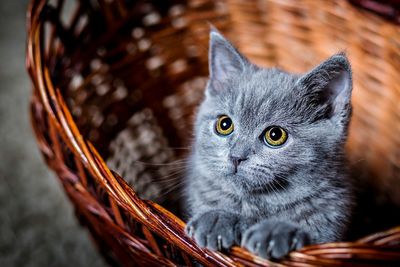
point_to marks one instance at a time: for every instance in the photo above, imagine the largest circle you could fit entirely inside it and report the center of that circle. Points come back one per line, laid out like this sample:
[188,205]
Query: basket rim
[148,213]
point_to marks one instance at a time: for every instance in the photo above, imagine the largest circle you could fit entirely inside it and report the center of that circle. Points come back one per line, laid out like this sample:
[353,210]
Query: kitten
[267,169]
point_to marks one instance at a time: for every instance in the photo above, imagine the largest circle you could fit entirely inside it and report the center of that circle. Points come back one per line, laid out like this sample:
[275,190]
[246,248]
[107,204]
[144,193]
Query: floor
[37,224]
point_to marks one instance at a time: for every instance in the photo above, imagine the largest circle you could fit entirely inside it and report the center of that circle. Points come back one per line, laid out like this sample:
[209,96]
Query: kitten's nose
[236,161]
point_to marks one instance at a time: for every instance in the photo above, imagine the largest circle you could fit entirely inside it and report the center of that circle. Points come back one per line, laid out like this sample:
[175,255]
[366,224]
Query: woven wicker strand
[97,66]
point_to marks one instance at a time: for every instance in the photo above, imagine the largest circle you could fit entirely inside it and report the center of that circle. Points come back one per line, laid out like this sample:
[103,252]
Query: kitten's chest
[209,194]
[254,207]
[251,209]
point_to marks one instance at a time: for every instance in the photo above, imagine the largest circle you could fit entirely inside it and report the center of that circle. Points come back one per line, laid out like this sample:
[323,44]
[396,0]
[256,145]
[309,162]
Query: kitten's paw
[274,239]
[215,230]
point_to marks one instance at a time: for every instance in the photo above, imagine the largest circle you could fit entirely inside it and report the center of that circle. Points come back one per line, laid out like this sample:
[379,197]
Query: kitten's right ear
[329,85]
[225,61]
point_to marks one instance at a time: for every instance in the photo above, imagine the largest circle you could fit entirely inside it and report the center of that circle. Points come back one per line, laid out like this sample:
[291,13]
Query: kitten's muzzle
[236,161]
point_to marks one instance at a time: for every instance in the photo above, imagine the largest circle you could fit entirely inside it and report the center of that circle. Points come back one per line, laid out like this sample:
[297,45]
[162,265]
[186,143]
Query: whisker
[180,148]
[183,161]
[170,189]
[169,175]
[277,175]
[168,180]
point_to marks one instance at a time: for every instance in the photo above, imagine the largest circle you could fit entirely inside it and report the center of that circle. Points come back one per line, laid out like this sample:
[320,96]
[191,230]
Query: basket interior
[144,64]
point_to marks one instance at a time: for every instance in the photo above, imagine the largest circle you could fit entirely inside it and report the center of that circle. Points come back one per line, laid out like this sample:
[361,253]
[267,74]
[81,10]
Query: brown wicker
[95,67]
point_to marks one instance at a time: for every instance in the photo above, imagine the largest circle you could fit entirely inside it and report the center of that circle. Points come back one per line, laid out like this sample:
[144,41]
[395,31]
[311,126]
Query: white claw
[270,246]
[257,250]
[219,242]
[191,231]
[294,242]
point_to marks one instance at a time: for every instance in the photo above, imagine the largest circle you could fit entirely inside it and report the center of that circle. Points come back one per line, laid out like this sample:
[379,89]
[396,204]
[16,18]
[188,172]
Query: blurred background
[37,223]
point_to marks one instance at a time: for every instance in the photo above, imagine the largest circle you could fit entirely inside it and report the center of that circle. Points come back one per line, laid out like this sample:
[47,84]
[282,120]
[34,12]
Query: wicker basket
[97,63]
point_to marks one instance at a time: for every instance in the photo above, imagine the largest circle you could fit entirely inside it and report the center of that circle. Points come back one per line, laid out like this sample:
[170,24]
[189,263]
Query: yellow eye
[275,136]
[224,125]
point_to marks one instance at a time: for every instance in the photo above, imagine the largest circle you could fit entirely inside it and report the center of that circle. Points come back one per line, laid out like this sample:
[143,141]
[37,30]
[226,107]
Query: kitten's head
[257,126]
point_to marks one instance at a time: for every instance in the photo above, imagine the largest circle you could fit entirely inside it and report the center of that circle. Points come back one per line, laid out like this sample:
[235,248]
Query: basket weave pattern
[95,68]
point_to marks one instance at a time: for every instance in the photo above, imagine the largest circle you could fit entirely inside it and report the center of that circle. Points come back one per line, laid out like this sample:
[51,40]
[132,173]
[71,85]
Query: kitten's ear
[330,85]
[225,61]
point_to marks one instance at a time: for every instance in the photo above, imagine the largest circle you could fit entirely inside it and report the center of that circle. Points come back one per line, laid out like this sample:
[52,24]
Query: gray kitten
[267,169]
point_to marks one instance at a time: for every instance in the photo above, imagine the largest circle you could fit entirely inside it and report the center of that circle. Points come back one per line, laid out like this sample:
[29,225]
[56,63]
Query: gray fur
[281,198]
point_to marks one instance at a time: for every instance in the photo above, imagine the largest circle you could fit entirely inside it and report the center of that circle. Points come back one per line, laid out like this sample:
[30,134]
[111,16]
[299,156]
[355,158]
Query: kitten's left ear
[225,61]
[330,84]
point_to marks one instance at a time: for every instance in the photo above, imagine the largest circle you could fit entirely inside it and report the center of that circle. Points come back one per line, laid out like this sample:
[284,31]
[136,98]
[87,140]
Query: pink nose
[236,161]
